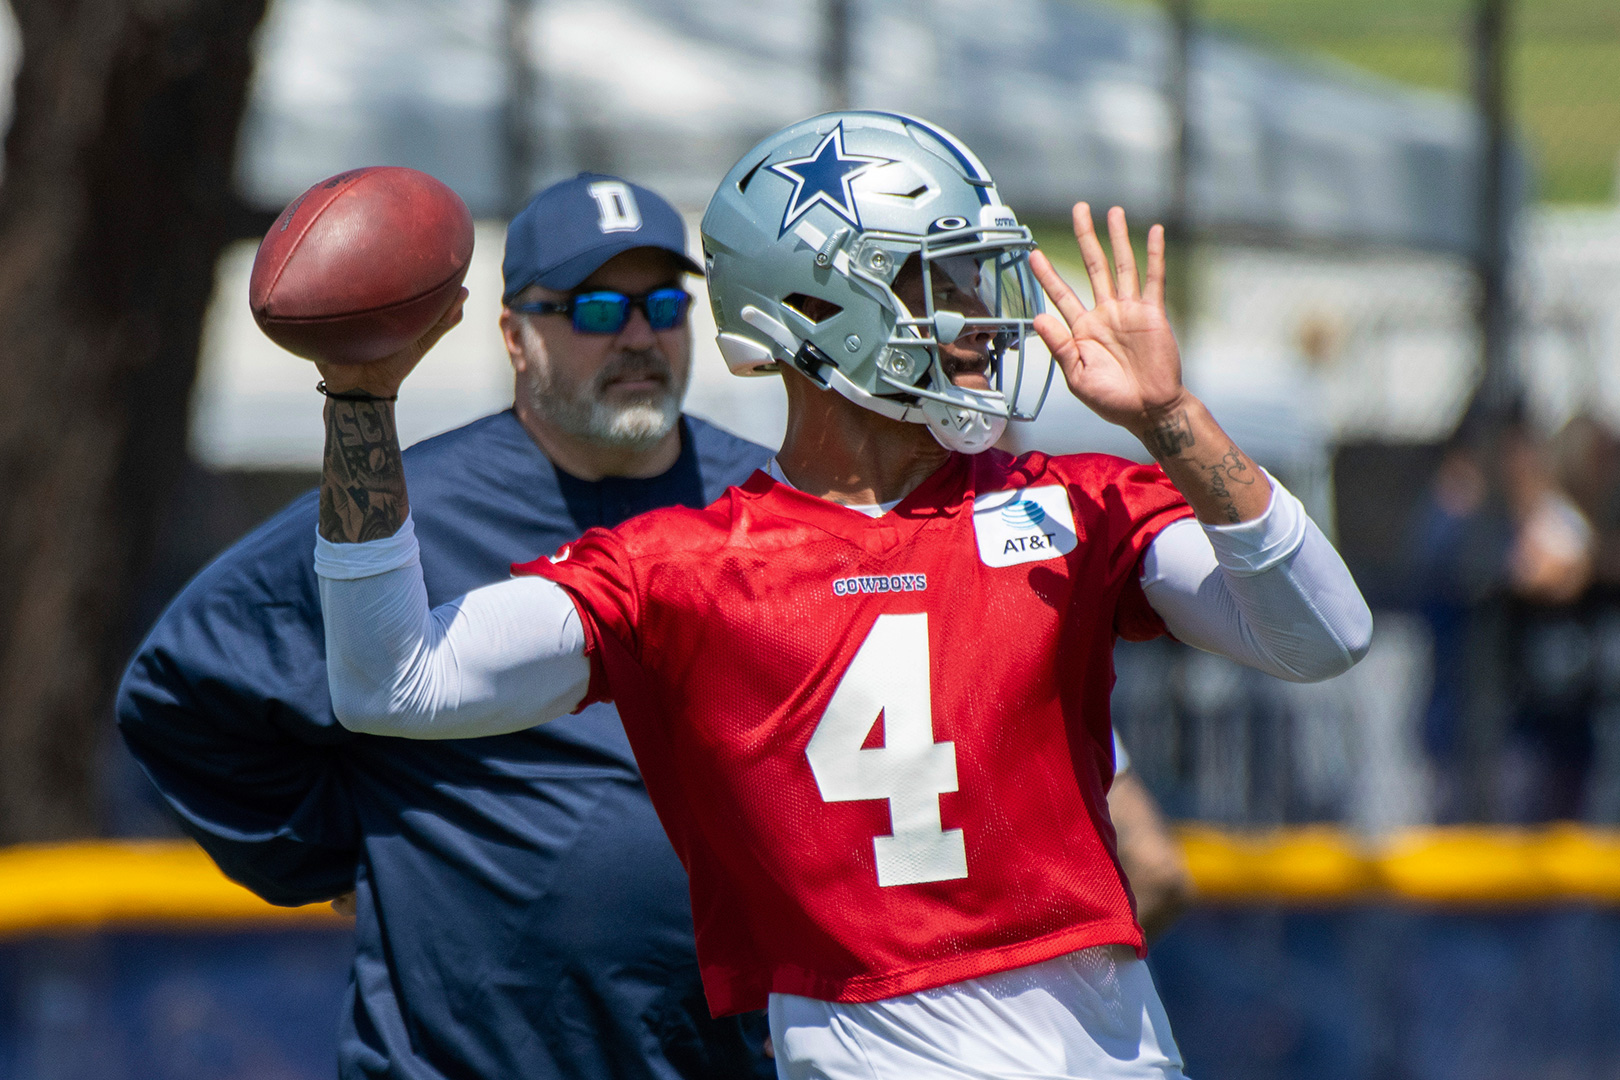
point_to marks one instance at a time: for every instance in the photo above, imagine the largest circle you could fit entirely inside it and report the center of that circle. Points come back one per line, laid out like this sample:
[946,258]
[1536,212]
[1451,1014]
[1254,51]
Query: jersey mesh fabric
[722,635]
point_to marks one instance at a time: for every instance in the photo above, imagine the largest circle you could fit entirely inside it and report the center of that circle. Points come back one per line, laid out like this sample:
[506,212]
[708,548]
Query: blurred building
[1063,100]
[1057,96]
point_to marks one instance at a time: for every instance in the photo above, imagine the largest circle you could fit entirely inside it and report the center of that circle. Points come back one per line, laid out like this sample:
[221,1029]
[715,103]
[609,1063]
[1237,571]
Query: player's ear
[512,337]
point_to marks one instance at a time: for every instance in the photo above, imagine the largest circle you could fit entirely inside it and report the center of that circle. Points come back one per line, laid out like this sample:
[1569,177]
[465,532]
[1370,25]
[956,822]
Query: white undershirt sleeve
[1270,593]
[502,658]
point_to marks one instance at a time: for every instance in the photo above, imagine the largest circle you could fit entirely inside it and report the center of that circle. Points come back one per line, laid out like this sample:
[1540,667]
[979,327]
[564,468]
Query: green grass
[1564,74]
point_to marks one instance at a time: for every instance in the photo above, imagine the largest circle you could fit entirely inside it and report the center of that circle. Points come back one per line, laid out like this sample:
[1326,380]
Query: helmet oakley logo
[824,177]
[948,224]
[616,209]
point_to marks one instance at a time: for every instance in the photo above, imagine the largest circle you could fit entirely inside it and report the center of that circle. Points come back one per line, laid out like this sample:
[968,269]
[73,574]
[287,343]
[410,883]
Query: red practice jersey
[881,746]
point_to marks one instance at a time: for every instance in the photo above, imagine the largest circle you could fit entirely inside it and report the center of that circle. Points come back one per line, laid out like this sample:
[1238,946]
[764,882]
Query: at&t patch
[1023,526]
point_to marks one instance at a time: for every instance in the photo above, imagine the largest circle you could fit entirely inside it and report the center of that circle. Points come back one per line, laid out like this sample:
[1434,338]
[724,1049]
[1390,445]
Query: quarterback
[868,688]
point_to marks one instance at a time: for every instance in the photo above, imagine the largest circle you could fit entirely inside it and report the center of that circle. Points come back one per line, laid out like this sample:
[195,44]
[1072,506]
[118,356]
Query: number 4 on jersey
[889,676]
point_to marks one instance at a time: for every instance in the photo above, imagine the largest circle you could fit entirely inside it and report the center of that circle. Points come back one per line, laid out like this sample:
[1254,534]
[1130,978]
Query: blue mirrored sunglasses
[604,311]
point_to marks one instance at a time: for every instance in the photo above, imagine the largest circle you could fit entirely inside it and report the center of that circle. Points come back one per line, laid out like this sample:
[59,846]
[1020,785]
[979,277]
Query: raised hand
[1119,357]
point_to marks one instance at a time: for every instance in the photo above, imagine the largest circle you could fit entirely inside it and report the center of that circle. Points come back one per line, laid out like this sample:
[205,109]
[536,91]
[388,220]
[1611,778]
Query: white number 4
[889,676]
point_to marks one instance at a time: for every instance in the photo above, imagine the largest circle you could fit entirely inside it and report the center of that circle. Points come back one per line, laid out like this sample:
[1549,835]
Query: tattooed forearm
[363,481]
[1169,436]
[1233,468]
[1222,484]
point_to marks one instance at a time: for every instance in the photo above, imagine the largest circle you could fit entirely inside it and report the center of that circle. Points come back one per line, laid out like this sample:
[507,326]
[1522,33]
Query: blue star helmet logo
[823,177]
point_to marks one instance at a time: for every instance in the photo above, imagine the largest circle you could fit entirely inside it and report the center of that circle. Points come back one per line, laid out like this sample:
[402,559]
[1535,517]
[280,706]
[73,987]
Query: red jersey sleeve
[597,572]
[1137,502]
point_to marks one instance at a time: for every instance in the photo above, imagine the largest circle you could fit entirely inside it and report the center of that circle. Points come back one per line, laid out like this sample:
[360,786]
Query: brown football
[361,265]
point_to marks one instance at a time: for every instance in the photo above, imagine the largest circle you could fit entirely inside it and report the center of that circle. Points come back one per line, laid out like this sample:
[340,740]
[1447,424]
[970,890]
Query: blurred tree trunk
[116,200]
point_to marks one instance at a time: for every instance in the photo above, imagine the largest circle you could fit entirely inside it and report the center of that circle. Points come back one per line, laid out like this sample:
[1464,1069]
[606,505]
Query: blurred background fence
[1396,254]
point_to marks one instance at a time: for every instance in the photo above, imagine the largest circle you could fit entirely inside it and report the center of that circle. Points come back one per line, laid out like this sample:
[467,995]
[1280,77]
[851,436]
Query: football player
[868,689]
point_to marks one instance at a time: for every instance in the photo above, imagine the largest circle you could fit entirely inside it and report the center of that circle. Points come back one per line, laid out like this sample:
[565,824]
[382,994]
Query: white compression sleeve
[502,658]
[1271,593]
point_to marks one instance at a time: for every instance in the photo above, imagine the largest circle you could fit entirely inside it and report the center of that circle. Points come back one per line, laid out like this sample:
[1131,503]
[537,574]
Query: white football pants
[1092,1014]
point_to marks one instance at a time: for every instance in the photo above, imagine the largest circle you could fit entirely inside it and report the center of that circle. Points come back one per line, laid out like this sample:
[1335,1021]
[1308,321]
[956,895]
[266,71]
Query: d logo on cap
[554,242]
[615,206]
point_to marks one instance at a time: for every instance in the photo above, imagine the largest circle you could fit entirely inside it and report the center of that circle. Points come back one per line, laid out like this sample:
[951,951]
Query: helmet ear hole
[813,309]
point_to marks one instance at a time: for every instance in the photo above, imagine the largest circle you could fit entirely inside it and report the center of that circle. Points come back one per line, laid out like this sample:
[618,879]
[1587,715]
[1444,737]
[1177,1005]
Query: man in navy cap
[599,390]
[518,911]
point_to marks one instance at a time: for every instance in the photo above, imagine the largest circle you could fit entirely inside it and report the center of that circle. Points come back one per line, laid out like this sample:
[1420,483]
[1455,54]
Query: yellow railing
[83,886]
[1461,865]
[49,887]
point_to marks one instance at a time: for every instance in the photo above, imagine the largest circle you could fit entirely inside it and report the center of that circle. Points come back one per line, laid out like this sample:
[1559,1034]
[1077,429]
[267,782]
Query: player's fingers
[1119,238]
[1057,290]
[447,322]
[1153,290]
[452,314]
[1091,252]
[1059,341]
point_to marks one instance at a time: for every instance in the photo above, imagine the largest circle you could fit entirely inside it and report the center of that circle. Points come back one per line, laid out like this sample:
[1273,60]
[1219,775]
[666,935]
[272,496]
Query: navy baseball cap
[571,228]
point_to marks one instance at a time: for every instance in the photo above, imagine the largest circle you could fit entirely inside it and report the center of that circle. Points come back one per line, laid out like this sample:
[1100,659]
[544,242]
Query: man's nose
[637,332]
[976,337]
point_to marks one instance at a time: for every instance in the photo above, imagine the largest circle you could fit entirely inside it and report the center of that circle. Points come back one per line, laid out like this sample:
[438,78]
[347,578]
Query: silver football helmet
[807,238]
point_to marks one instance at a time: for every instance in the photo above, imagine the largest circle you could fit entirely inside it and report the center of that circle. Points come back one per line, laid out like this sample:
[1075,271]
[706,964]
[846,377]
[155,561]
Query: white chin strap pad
[958,428]
[967,431]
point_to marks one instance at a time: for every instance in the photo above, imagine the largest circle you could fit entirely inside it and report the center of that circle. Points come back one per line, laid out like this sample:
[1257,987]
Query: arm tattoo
[1169,436]
[363,480]
[1232,468]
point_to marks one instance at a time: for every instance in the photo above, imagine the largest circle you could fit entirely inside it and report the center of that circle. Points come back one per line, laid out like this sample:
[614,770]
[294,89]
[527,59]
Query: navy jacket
[519,911]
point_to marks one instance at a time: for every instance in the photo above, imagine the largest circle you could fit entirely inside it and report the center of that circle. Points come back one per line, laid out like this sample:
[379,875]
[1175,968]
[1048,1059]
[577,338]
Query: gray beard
[582,412]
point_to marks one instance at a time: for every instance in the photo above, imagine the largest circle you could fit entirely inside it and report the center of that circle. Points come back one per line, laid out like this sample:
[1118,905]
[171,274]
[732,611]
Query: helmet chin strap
[955,427]
[966,431]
